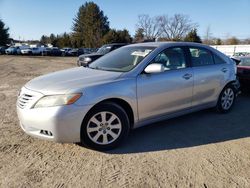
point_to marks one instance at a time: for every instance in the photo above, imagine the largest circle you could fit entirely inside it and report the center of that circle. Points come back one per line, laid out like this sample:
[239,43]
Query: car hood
[70,79]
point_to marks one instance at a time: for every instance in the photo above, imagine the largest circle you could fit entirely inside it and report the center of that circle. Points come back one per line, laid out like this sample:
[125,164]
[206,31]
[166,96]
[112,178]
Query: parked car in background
[76,51]
[90,50]
[65,51]
[55,51]
[37,50]
[130,87]
[19,48]
[84,60]
[12,50]
[243,71]
[2,50]
[26,51]
[240,54]
[45,51]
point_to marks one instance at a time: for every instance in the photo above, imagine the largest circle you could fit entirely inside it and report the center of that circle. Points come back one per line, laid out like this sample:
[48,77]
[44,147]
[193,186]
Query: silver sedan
[130,87]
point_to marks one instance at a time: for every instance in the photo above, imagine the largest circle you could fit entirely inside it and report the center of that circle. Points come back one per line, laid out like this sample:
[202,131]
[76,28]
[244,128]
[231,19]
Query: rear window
[201,57]
[218,60]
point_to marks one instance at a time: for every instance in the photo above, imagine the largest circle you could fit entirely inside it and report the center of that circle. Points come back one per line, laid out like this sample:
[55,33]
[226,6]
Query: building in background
[234,50]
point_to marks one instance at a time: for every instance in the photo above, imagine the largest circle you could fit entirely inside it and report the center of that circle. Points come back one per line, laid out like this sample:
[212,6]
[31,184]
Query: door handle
[224,70]
[187,76]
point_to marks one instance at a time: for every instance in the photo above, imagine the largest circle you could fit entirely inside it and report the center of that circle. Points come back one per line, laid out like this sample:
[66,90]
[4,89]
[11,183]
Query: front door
[168,91]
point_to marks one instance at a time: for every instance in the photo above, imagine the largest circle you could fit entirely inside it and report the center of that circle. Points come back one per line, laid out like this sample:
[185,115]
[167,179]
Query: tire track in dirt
[116,173]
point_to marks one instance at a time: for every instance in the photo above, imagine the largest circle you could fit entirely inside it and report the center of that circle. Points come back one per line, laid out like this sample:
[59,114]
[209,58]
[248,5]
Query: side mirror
[154,68]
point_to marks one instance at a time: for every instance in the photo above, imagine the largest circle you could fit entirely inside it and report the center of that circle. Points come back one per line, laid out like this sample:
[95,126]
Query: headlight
[81,58]
[87,59]
[57,100]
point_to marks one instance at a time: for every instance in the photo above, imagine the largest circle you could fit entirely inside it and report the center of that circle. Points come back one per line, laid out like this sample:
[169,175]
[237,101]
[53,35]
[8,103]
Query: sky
[30,19]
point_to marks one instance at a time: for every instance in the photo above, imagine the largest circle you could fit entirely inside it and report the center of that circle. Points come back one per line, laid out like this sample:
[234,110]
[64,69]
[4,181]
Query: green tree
[4,34]
[192,36]
[119,36]
[124,36]
[64,40]
[44,40]
[139,35]
[110,37]
[89,26]
[53,39]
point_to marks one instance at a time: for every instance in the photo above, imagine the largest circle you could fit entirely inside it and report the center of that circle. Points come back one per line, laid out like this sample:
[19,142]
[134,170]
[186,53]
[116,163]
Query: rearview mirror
[154,68]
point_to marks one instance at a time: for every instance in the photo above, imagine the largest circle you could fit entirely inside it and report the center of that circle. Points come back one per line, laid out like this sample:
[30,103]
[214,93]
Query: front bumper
[81,63]
[58,123]
[62,123]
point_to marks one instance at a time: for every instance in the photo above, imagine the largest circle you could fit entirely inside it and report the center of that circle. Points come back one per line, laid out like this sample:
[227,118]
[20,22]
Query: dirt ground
[203,149]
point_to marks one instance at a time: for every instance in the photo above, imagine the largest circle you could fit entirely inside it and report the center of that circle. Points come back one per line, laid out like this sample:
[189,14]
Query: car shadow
[200,128]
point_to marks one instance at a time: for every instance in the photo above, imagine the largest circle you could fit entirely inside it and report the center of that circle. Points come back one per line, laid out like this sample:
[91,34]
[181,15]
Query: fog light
[45,132]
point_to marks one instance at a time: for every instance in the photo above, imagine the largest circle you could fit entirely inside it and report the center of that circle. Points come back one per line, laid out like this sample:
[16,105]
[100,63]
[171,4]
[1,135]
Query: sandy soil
[203,149]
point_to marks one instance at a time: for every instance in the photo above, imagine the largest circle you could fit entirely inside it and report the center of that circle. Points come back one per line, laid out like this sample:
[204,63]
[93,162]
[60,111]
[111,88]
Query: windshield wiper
[97,68]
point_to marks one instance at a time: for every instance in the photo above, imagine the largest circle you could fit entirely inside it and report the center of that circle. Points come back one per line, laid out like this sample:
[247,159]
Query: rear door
[209,75]
[168,91]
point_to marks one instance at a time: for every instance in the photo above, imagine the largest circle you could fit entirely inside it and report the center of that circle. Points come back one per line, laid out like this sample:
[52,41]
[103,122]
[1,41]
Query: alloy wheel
[104,128]
[227,98]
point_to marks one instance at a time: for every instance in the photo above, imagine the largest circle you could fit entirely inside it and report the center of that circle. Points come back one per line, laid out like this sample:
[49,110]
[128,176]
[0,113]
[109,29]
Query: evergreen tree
[66,40]
[89,26]
[52,39]
[124,36]
[192,36]
[44,40]
[117,36]
[4,34]
[139,35]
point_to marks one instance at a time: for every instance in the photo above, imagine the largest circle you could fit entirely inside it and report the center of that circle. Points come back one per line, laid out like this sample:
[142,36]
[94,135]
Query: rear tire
[226,99]
[105,126]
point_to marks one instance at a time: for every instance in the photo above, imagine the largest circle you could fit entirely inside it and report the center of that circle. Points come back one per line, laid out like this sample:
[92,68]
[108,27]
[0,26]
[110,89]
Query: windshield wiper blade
[97,68]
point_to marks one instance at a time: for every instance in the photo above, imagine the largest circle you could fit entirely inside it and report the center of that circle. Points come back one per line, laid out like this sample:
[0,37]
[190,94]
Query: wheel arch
[231,82]
[122,103]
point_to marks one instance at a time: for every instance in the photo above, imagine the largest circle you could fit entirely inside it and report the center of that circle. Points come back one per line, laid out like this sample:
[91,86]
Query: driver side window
[171,58]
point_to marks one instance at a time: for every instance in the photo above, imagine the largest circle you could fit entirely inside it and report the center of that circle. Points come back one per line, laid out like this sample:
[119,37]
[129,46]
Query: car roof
[115,44]
[168,43]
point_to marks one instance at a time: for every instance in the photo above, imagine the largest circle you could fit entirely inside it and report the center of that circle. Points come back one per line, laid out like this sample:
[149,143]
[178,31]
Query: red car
[243,71]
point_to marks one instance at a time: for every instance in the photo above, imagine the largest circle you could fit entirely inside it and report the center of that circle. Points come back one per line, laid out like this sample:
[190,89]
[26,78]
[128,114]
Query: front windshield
[245,62]
[123,59]
[104,49]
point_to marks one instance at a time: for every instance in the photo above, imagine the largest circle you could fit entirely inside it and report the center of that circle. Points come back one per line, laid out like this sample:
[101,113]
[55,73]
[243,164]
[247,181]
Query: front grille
[27,98]
[24,100]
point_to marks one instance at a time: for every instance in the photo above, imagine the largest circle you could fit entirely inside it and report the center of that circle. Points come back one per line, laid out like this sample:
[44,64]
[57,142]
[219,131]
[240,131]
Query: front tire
[105,127]
[226,99]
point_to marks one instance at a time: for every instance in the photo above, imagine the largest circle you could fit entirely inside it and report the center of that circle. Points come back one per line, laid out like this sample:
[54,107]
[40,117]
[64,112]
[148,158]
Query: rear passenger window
[201,57]
[218,60]
[171,58]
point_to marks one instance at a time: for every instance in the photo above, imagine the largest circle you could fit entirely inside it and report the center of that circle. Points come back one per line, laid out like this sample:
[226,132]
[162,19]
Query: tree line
[90,29]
